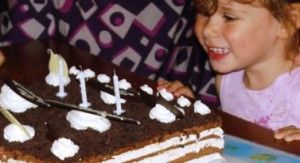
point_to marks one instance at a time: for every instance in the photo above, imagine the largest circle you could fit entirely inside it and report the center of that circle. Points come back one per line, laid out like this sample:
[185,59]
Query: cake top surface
[51,124]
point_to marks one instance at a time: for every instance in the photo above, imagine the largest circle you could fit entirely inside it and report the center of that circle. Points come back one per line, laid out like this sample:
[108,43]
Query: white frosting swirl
[89,73]
[183,102]
[147,89]
[64,148]
[109,99]
[53,79]
[166,95]
[201,108]
[81,121]
[124,84]
[11,101]
[161,114]
[73,70]
[103,78]
[13,133]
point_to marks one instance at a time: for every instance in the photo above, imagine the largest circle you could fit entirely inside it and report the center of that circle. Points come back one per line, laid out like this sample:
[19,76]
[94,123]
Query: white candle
[61,93]
[82,77]
[118,110]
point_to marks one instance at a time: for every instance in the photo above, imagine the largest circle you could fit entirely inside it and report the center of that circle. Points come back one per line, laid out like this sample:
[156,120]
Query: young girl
[252,45]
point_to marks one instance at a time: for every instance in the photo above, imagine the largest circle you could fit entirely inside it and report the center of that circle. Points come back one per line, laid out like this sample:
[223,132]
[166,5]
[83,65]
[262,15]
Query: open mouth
[216,53]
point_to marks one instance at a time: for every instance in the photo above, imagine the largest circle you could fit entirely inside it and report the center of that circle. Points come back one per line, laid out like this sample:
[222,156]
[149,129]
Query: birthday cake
[135,124]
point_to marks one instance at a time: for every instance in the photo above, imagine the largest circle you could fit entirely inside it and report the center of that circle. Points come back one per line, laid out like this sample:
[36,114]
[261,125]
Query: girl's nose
[211,28]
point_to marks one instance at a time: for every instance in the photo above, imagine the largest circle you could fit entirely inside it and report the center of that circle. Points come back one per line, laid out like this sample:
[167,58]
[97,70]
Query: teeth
[220,50]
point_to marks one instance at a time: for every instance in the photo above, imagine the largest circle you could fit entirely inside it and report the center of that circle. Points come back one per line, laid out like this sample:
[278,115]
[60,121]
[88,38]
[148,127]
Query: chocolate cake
[191,137]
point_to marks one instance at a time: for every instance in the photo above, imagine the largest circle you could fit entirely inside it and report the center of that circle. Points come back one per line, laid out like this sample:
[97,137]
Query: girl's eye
[229,17]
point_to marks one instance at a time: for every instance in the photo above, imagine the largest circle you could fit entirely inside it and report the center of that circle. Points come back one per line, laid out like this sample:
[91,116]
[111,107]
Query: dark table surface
[28,62]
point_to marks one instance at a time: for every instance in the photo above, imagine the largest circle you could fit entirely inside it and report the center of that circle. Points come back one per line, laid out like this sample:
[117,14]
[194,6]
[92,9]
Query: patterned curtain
[149,37]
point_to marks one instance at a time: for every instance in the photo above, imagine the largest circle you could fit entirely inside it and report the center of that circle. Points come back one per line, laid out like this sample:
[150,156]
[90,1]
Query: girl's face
[240,36]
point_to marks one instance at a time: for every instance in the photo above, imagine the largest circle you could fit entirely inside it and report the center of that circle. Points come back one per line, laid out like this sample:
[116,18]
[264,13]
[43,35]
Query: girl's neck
[260,78]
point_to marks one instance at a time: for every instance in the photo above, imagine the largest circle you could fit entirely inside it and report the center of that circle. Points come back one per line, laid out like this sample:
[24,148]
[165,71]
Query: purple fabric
[152,38]
[273,107]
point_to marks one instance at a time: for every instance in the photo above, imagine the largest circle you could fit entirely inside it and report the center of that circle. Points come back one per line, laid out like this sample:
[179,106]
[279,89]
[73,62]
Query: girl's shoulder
[293,77]
[290,82]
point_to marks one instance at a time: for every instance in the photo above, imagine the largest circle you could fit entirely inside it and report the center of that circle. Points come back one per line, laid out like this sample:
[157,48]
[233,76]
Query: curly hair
[280,9]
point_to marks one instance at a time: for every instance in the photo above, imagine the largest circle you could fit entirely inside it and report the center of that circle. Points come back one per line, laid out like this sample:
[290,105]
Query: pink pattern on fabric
[263,121]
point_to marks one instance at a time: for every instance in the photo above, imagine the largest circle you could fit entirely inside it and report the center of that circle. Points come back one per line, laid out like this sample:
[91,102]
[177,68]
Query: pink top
[274,107]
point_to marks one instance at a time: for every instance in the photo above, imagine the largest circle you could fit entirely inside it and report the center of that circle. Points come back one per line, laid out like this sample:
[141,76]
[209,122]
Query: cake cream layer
[201,154]
[207,158]
[179,152]
[174,147]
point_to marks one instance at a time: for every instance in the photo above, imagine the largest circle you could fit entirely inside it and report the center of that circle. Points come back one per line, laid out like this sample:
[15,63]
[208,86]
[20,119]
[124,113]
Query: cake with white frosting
[58,135]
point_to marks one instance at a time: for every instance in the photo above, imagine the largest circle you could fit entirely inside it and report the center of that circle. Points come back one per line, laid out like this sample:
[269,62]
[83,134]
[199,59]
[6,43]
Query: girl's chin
[221,70]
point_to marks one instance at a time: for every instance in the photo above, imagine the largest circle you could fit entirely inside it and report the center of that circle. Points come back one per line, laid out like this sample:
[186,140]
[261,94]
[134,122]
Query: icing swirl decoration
[13,133]
[81,121]
[201,108]
[161,114]
[64,148]
[166,95]
[147,89]
[109,99]
[11,101]
[103,78]
[183,102]
[124,84]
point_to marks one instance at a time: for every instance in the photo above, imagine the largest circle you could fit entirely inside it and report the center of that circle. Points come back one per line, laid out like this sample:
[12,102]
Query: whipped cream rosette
[12,101]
